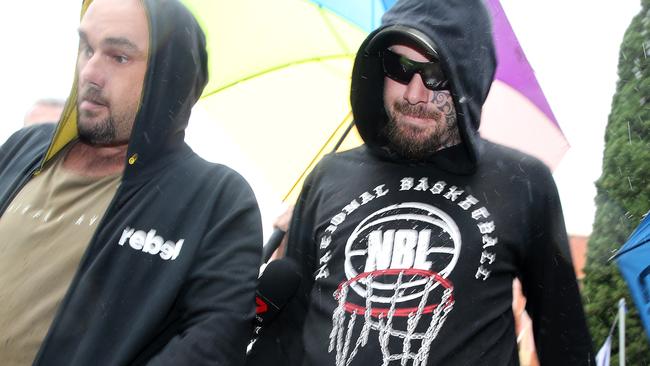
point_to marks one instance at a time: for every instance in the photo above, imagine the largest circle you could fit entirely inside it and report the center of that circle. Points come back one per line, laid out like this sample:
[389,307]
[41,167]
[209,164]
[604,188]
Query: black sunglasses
[401,69]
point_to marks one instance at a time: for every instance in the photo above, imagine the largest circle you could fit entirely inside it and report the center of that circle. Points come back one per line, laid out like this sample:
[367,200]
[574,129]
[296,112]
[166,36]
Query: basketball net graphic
[379,312]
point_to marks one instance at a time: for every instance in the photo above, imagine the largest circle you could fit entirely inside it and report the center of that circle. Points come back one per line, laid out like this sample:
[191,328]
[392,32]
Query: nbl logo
[409,235]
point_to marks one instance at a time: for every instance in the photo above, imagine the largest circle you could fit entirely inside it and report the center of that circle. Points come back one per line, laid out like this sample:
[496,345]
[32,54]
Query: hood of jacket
[460,33]
[175,77]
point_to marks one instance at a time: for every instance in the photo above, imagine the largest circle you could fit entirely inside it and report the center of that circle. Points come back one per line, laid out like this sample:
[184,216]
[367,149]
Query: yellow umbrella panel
[279,80]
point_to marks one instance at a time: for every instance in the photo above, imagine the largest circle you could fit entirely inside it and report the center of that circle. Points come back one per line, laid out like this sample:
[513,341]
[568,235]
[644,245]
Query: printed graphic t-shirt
[45,231]
[411,264]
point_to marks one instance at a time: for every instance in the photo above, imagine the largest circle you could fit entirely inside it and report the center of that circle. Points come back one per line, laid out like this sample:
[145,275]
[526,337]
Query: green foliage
[623,194]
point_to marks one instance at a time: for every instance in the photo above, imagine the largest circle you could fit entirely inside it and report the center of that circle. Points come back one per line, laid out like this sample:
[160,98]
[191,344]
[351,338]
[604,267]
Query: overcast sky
[571,44]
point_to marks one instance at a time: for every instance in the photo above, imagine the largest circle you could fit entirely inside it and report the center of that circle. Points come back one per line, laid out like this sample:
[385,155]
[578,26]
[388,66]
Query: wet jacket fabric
[411,262]
[133,302]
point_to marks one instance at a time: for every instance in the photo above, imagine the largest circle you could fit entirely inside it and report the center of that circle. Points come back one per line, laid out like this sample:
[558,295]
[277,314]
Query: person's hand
[282,222]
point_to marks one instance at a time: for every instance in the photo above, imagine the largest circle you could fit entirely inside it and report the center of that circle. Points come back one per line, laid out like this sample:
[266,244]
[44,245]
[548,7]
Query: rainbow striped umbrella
[280,77]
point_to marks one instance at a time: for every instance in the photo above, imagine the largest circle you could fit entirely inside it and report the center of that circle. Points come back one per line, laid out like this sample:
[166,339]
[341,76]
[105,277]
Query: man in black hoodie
[120,245]
[409,244]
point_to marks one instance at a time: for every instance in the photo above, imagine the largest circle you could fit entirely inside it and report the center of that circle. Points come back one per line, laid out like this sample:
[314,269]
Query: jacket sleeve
[549,283]
[280,344]
[20,155]
[217,303]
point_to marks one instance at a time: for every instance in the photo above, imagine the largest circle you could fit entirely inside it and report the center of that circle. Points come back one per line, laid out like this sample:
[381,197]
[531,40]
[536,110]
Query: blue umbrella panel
[634,263]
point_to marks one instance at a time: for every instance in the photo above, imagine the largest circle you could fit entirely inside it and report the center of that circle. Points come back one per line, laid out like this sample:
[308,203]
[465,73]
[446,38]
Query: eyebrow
[120,42]
[113,41]
[82,36]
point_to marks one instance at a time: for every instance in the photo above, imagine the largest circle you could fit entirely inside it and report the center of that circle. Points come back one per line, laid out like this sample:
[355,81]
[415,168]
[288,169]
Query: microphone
[277,285]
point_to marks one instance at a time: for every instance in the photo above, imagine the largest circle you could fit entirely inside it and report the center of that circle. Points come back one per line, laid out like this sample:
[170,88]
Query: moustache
[417,111]
[93,94]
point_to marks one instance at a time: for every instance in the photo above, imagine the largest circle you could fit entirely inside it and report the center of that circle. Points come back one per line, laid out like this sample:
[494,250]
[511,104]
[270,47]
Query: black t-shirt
[411,262]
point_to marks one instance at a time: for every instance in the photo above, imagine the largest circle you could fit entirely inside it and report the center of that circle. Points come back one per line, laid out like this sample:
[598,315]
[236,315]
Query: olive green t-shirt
[43,235]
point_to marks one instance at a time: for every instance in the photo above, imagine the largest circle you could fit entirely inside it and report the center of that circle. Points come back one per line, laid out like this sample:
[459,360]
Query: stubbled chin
[90,121]
[414,133]
[414,124]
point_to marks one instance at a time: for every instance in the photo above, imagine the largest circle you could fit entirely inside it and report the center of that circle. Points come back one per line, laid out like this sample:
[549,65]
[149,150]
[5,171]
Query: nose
[91,71]
[416,92]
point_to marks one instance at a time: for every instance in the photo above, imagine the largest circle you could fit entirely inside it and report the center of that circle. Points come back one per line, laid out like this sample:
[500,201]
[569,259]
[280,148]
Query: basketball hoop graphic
[397,261]
[403,284]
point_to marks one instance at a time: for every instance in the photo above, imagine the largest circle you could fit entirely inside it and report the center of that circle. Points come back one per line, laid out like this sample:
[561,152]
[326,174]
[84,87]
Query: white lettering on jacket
[150,243]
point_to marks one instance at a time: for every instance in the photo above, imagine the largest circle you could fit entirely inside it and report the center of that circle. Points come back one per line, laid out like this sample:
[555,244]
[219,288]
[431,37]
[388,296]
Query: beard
[98,133]
[102,132]
[420,141]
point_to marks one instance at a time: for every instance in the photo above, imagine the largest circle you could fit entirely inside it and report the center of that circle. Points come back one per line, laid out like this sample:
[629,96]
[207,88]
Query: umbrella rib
[318,154]
[276,68]
[329,25]
[345,134]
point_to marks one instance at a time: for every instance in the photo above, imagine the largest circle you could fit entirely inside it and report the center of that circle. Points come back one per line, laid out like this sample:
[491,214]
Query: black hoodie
[373,229]
[127,306]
